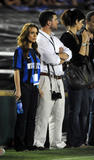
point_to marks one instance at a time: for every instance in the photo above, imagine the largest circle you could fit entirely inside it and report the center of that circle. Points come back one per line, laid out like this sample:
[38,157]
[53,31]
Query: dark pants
[78,116]
[91,118]
[25,123]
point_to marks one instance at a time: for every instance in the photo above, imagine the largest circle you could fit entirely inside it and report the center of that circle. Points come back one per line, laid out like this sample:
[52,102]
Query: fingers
[60,50]
[41,92]
[17,95]
[17,98]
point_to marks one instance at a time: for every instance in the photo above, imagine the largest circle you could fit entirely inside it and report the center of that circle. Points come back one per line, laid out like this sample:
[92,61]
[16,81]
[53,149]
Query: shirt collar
[45,34]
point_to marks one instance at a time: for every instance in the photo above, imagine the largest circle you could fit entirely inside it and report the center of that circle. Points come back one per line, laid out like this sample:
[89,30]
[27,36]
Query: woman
[78,98]
[26,77]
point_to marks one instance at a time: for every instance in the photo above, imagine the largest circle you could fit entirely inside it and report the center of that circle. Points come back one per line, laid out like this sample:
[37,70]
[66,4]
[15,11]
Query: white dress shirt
[48,49]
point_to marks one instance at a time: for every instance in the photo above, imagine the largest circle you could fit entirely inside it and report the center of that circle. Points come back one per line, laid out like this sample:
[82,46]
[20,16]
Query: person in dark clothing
[78,98]
[90,29]
[26,77]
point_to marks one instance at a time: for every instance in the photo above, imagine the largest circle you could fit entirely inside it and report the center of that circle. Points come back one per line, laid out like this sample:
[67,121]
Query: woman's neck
[29,45]
[72,30]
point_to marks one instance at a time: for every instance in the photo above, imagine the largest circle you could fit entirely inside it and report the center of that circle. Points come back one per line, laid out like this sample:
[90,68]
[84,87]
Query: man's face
[90,25]
[54,22]
[79,24]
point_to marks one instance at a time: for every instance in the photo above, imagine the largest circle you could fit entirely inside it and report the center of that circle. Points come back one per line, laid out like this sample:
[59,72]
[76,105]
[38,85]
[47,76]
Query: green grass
[85,153]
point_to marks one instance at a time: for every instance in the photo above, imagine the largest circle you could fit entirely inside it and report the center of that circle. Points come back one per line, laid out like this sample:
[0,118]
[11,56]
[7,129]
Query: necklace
[74,36]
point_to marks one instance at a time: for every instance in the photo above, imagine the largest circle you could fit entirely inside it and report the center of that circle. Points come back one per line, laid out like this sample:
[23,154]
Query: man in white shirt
[51,104]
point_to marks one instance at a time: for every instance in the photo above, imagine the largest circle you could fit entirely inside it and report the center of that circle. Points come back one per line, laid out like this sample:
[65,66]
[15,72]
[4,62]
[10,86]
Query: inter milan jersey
[29,67]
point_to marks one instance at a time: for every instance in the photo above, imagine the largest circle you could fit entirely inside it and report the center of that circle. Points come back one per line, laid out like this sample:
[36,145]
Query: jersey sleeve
[17,59]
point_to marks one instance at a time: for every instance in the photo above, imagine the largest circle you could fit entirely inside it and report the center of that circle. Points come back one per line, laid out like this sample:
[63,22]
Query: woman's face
[90,25]
[33,32]
[80,24]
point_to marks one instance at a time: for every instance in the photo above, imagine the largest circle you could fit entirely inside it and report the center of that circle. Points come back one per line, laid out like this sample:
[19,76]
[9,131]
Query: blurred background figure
[75,2]
[29,3]
[2,151]
[51,2]
[26,5]
[12,2]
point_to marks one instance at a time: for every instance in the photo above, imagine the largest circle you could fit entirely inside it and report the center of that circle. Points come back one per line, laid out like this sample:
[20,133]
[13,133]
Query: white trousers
[49,112]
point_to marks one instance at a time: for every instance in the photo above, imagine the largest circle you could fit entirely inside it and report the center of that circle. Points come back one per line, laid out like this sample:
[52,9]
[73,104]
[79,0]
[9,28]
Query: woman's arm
[17,84]
[84,50]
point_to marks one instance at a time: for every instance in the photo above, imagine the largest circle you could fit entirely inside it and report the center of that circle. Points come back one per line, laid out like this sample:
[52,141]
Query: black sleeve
[70,42]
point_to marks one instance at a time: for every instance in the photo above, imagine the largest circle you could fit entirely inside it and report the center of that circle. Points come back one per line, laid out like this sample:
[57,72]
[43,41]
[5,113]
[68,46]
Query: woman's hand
[84,50]
[18,95]
[85,37]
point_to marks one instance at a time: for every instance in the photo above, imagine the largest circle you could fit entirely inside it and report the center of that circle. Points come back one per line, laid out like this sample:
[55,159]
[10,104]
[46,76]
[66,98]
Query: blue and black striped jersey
[29,67]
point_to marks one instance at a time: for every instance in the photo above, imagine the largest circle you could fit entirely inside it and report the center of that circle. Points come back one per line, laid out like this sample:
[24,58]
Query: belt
[54,76]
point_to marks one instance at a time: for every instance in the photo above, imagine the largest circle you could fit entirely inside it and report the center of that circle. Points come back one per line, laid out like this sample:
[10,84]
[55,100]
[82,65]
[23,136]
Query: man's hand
[41,92]
[62,55]
[60,50]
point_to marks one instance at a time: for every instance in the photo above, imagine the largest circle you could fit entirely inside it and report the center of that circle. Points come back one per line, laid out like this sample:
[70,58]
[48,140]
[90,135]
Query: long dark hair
[69,17]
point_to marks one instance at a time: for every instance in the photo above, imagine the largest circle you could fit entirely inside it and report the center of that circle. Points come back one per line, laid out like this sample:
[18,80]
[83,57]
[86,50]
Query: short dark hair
[89,15]
[69,17]
[46,16]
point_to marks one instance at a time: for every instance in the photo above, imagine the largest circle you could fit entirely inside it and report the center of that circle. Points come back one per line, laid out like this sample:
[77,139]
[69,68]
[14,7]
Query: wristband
[84,44]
